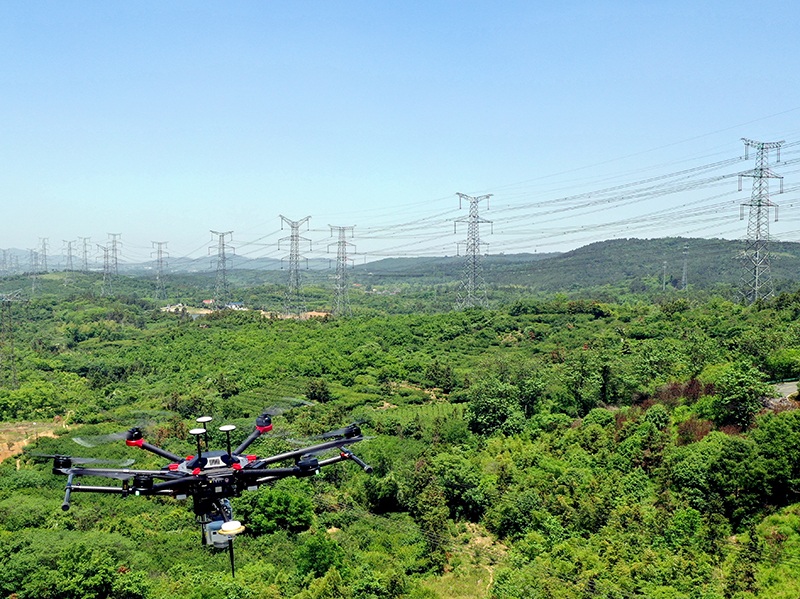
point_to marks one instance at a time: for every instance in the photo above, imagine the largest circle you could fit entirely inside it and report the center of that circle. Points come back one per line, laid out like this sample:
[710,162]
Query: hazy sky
[160,121]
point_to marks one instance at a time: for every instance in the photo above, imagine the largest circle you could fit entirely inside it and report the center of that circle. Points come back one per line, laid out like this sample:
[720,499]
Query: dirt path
[786,389]
[14,436]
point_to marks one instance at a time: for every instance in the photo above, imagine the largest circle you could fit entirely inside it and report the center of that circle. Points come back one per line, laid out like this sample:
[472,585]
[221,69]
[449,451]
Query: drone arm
[263,425]
[141,443]
[246,443]
[86,489]
[347,454]
[276,473]
[168,485]
[335,444]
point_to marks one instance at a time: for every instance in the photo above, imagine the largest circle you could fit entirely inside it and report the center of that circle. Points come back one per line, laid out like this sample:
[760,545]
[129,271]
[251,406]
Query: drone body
[211,478]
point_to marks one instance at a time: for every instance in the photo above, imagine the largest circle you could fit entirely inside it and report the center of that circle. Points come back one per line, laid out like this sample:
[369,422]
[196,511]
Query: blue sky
[163,120]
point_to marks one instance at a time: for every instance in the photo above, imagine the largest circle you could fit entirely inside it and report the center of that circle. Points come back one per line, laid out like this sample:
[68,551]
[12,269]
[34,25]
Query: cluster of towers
[756,281]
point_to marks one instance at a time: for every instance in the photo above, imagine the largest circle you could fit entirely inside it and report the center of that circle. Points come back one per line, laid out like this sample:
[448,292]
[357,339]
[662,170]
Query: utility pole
[108,275]
[341,305]
[221,289]
[8,360]
[161,292]
[294,303]
[756,277]
[472,291]
[85,242]
[113,239]
[664,276]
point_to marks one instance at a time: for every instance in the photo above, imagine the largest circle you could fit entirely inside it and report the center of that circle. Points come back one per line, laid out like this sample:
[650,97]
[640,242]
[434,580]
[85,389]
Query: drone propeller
[95,440]
[285,404]
[78,460]
[117,474]
[347,432]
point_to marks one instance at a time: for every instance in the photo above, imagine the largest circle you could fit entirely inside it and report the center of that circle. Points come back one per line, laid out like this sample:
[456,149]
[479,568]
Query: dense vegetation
[551,447]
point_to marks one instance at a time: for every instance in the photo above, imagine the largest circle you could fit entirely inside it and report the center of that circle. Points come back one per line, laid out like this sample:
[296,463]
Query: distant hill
[635,265]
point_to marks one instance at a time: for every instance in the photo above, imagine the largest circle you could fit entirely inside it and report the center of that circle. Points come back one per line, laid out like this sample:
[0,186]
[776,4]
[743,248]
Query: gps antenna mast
[756,278]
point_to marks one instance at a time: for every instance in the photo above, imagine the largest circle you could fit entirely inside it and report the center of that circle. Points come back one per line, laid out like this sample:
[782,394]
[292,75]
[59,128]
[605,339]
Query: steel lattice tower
[221,289]
[341,305]
[684,278]
[107,287]
[756,278]
[85,242]
[160,292]
[44,245]
[34,268]
[115,243]
[69,267]
[472,291]
[294,302]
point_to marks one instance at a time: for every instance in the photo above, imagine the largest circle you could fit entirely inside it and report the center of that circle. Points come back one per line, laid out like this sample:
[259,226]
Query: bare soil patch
[14,436]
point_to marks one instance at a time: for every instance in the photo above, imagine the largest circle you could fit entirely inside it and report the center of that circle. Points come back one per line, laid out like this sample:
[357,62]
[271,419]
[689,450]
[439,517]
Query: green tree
[493,407]
[317,390]
[740,393]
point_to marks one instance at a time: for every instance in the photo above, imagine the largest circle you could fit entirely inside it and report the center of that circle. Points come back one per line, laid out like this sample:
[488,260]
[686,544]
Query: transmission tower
[684,279]
[68,252]
[108,274]
[221,289]
[341,306]
[160,254]
[43,245]
[756,278]
[294,302]
[33,257]
[114,242]
[472,291]
[85,243]
[7,358]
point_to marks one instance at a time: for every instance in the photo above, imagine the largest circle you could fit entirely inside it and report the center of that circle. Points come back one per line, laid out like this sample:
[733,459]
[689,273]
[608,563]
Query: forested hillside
[610,270]
[550,447]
